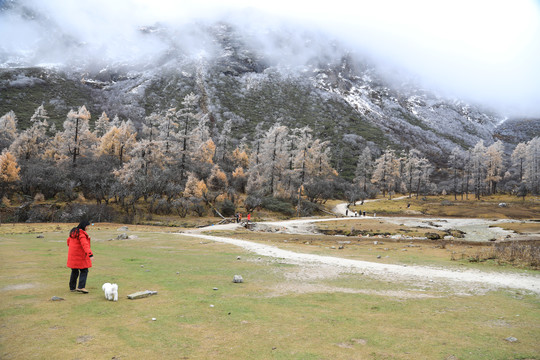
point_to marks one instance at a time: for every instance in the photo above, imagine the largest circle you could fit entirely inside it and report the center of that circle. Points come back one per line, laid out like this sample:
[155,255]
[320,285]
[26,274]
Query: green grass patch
[279,312]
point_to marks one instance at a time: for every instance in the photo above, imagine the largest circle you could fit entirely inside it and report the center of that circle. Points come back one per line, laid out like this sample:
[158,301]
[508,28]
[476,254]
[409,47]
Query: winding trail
[470,279]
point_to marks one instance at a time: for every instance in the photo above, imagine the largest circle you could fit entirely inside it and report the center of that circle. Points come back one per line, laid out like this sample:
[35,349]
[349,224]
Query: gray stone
[141,294]
[56,298]
[122,236]
[238,258]
[84,339]
[123,228]
[238,279]
[40,236]
[511,339]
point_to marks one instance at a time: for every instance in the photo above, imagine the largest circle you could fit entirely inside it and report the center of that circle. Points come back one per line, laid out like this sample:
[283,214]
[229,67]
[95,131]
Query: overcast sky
[481,50]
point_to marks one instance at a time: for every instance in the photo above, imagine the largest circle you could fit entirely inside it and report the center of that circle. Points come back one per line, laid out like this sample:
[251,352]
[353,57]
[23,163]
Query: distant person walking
[249,217]
[79,257]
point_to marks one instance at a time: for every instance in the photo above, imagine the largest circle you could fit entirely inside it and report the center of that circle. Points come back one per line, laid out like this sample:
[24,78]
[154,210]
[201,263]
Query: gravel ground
[464,280]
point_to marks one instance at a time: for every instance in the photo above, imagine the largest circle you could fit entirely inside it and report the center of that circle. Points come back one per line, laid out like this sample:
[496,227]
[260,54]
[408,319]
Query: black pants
[82,278]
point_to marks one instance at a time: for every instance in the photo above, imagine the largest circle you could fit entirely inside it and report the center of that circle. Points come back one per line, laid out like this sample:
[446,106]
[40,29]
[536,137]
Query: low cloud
[483,51]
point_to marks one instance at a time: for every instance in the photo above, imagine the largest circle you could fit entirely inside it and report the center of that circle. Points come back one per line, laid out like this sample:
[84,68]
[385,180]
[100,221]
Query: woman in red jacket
[79,256]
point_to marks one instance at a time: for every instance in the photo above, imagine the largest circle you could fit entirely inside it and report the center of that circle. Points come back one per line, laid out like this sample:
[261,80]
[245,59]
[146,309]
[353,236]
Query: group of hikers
[239,217]
[354,213]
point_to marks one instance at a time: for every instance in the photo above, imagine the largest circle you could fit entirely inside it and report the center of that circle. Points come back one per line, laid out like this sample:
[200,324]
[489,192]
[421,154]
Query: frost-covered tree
[168,127]
[31,143]
[273,159]
[494,165]
[76,136]
[118,142]
[532,169]
[8,129]
[224,142]
[519,156]
[40,116]
[102,125]
[188,117]
[456,167]
[150,126]
[478,167]
[387,171]
[142,174]
[364,169]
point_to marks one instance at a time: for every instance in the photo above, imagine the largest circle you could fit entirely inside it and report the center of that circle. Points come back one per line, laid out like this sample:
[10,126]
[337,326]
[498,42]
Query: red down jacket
[79,250]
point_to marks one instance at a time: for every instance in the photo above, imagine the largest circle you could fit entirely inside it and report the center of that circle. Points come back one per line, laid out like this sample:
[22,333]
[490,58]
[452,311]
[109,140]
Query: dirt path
[341,209]
[471,280]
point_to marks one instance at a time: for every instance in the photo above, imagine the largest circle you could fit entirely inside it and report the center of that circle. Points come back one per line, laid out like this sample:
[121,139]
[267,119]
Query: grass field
[447,206]
[281,311]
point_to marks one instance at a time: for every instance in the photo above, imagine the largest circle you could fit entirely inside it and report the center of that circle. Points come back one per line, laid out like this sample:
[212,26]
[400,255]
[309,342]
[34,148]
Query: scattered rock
[378,256]
[178,273]
[83,339]
[433,236]
[40,236]
[503,205]
[56,298]
[359,341]
[238,258]
[458,234]
[142,266]
[123,228]
[211,305]
[122,236]
[215,288]
[154,319]
[141,294]
[238,279]
[132,237]
[511,339]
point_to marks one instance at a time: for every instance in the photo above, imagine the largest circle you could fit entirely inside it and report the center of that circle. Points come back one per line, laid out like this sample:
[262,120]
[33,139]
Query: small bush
[278,205]
[514,252]
[227,208]
[307,208]
[252,202]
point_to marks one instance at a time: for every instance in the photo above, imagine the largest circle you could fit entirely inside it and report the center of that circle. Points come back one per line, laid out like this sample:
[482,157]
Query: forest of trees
[173,165]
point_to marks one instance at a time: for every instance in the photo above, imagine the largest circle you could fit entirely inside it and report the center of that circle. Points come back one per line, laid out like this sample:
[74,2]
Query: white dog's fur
[111,291]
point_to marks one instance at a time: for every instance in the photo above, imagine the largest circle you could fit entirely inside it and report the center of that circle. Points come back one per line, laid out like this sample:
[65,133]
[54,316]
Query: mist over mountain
[250,70]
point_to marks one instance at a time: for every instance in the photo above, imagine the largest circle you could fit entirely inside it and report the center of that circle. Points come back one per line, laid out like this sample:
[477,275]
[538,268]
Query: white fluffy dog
[111,291]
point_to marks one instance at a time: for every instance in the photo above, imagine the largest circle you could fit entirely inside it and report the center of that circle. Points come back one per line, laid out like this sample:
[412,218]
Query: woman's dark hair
[82,225]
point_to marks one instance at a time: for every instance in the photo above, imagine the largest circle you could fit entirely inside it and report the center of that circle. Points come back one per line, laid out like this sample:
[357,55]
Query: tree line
[175,163]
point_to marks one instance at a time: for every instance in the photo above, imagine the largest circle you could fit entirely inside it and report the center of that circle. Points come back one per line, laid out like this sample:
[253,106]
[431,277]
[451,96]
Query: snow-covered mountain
[343,97]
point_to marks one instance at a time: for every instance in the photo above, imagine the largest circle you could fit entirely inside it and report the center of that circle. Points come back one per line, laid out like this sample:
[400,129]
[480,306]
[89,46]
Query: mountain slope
[343,99]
